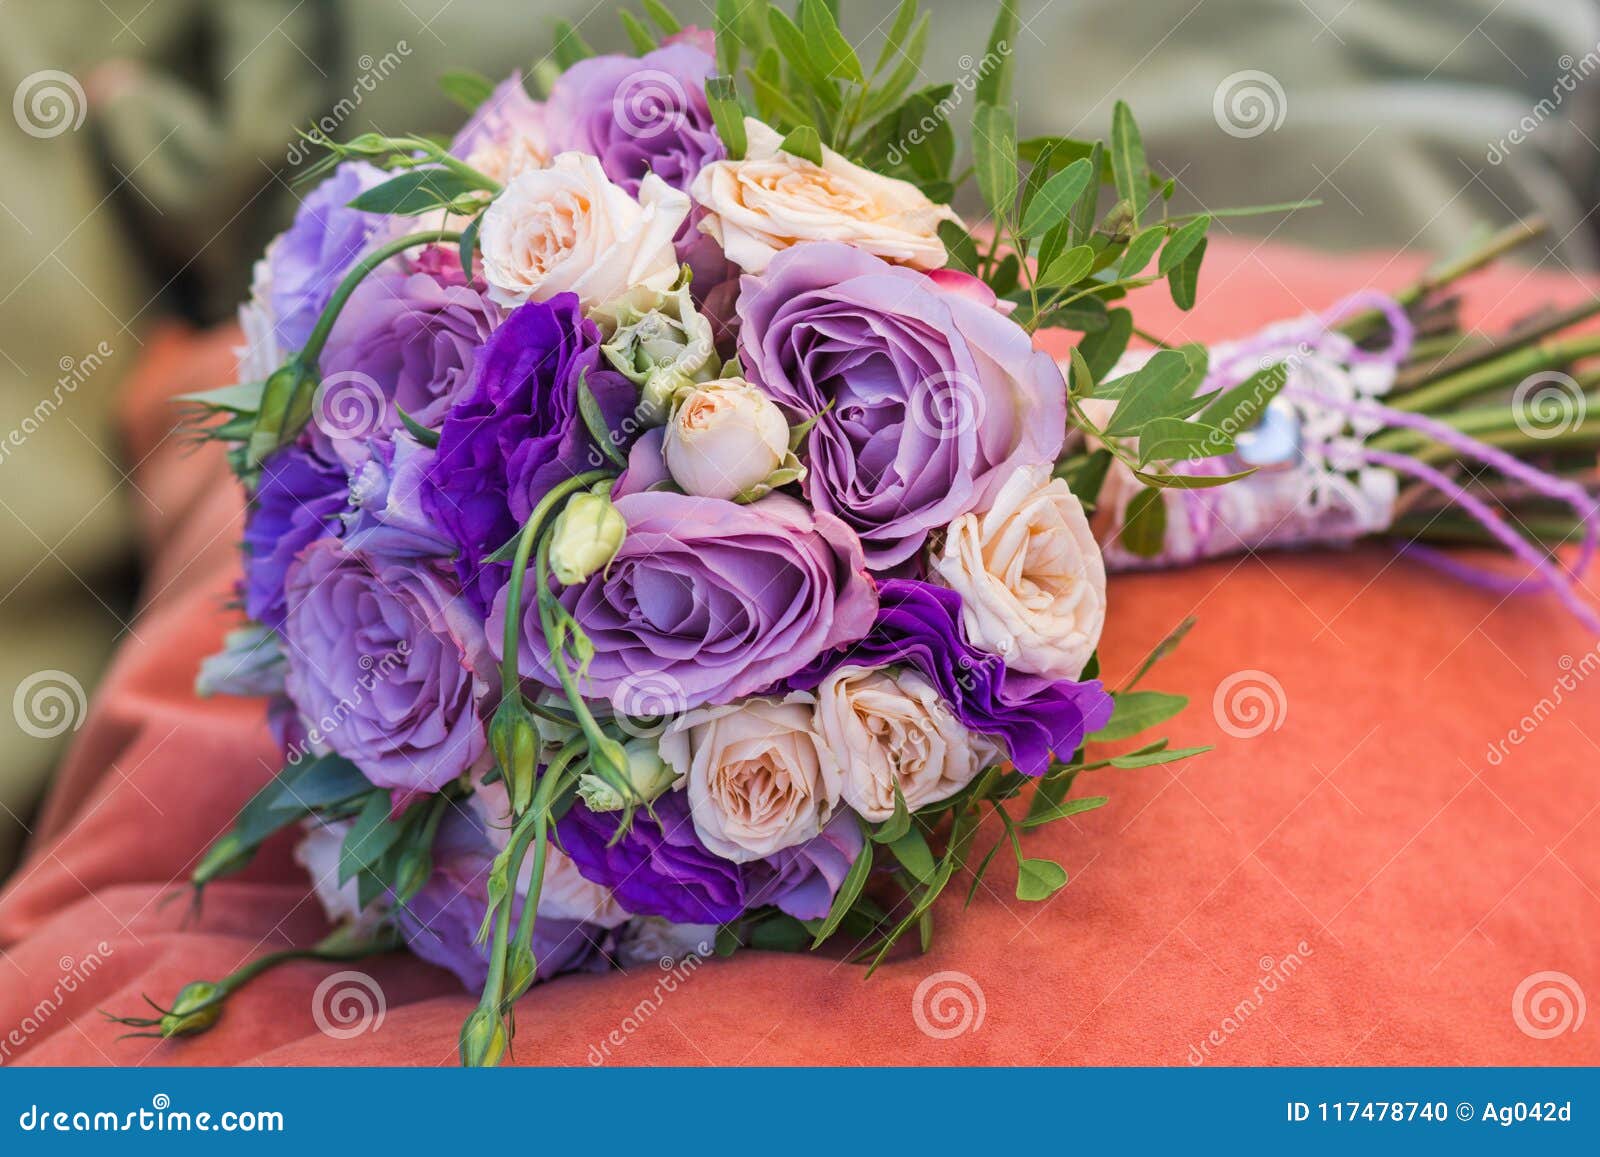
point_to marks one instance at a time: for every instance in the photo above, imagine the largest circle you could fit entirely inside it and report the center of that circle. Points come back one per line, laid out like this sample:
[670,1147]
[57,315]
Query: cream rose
[771,199]
[888,729]
[1030,575]
[758,776]
[567,229]
[565,894]
[726,439]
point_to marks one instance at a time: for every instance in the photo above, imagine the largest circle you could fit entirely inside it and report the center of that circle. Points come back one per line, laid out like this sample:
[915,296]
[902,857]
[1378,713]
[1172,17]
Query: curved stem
[312,350]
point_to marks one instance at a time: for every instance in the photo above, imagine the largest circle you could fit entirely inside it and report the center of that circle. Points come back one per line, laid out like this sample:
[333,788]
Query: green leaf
[428,438]
[595,420]
[1086,475]
[897,825]
[1056,197]
[416,191]
[1161,650]
[1140,250]
[1184,280]
[905,18]
[570,47]
[977,873]
[1069,268]
[467,88]
[1138,710]
[722,95]
[912,851]
[1152,758]
[1144,527]
[639,36]
[1039,879]
[1080,226]
[1102,350]
[1240,408]
[1061,811]
[1128,164]
[960,246]
[792,44]
[1189,481]
[833,52]
[468,245]
[905,73]
[373,834]
[661,16]
[805,143]
[994,144]
[1155,389]
[240,398]
[994,86]
[1183,242]
[854,880]
[1179,440]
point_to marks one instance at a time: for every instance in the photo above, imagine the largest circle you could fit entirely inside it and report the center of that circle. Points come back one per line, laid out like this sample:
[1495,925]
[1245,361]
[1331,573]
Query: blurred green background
[148,160]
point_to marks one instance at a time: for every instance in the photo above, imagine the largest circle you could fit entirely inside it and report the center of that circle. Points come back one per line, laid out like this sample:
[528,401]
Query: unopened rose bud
[587,533]
[727,440]
[662,350]
[483,1039]
[195,1009]
[515,741]
[647,772]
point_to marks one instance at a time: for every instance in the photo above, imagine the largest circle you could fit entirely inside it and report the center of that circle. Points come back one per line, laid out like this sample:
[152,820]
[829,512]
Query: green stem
[1500,371]
[312,350]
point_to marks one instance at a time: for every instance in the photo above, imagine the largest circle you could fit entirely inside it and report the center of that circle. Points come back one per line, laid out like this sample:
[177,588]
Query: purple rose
[403,342]
[802,880]
[440,923]
[644,115]
[505,134]
[919,624]
[516,432]
[925,399]
[299,500]
[708,600]
[381,666]
[305,263]
[386,519]
[660,868]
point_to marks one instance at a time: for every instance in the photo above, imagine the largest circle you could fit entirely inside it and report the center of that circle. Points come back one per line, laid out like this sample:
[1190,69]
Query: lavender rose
[920,625]
[403,342]
[381,665]
[506,135]
[516,432]
[925,399]
[802,880]
[300,498]
[386,518]
[440,923]
[303,265]
[660,868]
[707,601]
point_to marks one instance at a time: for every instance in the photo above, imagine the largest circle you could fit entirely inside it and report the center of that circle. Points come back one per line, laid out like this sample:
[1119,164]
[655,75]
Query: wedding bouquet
[659,534]
[1387,419]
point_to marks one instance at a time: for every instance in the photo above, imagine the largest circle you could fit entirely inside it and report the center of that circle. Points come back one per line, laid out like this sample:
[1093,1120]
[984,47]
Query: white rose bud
[729,440]
[647,772]
[587,533]
[663,349]
[1030,574]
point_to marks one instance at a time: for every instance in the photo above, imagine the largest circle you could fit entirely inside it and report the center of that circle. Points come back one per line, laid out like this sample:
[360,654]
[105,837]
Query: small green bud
[222,858]
[587,533]
[483,1039]
[521,967]
[416,865]
[515,740]
[647,772]
[196,1008]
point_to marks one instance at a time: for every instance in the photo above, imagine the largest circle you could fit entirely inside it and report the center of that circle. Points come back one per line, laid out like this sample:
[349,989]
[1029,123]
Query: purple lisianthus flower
[660,868]
[919,625]
[925,399]
[386,519]
[303,264]
[382,662]
[802,880]
[403,342]
[516,432]
[300,498]
[707,600]
[638,116]
[440,923]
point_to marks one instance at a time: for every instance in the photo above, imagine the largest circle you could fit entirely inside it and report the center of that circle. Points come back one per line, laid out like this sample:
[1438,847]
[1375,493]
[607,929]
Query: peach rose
[771,200]
[727,439]
[567,229]
[1030,575]
[758,776]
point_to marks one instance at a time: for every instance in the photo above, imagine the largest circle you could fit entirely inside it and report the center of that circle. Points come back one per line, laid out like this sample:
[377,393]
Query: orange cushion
[1361,883]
